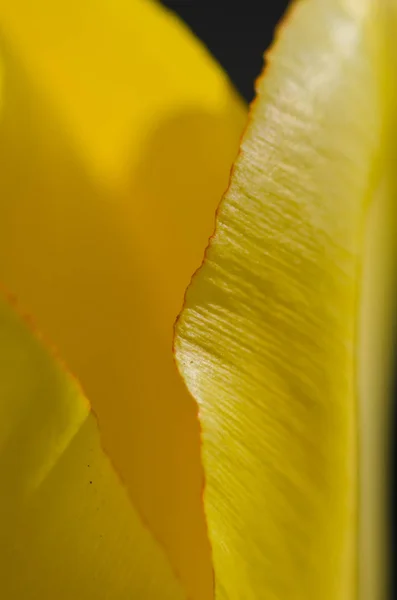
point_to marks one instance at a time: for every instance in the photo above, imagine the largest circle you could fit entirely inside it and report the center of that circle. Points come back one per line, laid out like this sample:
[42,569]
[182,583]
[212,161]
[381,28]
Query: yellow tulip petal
[67,527]
[269,338]
[117,133]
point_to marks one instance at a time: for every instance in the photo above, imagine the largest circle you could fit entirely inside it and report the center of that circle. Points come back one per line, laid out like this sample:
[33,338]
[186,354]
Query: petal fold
[68,529]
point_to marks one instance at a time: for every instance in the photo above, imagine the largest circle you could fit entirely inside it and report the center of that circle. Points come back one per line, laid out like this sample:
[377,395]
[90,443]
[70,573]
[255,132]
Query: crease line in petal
[74,533]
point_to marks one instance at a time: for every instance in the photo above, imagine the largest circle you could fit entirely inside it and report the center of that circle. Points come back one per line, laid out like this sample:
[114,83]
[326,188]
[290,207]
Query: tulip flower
[117,133]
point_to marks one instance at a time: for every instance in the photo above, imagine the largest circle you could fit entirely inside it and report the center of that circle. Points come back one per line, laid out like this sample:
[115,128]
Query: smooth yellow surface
[268,341]
[376,376]
[377,348]
[67,527]
[117,132]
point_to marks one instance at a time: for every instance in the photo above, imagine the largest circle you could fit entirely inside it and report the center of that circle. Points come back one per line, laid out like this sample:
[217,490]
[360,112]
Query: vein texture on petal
[268,339]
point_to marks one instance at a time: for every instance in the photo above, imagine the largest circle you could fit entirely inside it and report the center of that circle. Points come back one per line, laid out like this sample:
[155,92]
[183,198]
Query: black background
[237,34]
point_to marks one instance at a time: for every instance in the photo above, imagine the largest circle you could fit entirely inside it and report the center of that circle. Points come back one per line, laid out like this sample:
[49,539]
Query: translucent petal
[68,529]
[117,132]
[269,338]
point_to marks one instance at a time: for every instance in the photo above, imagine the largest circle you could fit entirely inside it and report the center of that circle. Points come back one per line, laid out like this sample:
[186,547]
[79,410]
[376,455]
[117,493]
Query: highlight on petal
[68,529]
[117,133]
[273,340]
